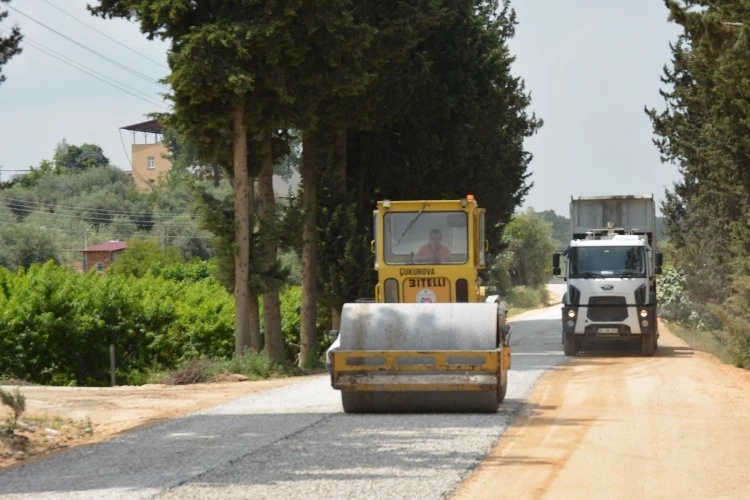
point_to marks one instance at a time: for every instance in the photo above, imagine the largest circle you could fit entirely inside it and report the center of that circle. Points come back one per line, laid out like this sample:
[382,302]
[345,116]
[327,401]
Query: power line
[105,35]
[109,236]
[91,72]
[30,207]
[98,54]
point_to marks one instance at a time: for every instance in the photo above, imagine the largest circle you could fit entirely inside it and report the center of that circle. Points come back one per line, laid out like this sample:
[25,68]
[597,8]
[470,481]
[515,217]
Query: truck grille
[607,309]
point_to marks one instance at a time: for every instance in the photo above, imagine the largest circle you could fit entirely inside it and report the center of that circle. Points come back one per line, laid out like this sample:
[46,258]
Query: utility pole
[85,248]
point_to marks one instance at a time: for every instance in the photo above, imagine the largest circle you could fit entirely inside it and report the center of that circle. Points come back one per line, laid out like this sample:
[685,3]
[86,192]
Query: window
[100,267]
[600,262]
[151,163]
[425,237]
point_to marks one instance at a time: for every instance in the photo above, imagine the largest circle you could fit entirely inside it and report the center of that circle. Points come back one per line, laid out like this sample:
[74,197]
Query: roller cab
[429,342]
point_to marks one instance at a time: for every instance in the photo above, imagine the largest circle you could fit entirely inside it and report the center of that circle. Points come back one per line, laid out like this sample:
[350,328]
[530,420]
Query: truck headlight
[644,323]
[571,313]
[571,323]
[643,313]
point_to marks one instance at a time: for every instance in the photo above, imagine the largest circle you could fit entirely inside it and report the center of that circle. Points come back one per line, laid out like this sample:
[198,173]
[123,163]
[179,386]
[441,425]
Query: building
[101,256]
[149,159]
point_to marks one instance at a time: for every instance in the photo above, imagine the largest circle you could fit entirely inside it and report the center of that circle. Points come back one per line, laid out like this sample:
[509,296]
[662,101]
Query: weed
[194,372]
[16,402]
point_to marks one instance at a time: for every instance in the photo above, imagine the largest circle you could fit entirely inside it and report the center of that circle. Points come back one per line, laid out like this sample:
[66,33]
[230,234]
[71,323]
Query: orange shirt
[427,254]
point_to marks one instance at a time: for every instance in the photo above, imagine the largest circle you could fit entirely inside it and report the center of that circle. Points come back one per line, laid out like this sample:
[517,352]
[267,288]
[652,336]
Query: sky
[80,79]
[590,66]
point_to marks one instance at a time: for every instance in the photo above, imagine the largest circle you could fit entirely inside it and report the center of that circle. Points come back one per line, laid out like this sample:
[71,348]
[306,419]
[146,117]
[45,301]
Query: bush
[523,297]
[671,296]
[252,365]
[194,372]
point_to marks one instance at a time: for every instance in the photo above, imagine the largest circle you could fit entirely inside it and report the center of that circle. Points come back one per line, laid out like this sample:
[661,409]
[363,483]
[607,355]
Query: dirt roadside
[62,417]
[676,425]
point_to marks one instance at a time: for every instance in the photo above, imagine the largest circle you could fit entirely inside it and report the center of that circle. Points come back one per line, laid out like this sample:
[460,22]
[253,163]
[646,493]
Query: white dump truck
[610,272]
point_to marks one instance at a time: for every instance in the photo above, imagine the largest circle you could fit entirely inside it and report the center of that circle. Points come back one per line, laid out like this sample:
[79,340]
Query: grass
[521,299]
[251,365]
[711,342]
[32,437]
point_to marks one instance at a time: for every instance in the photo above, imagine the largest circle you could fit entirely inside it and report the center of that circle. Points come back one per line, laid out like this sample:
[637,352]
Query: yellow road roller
[429,341]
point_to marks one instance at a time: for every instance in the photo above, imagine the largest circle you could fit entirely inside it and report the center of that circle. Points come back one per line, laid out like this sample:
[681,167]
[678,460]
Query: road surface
[606,425]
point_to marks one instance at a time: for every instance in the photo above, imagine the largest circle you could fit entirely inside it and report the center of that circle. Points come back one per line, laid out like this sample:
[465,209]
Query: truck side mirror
[659,262]
[556,264]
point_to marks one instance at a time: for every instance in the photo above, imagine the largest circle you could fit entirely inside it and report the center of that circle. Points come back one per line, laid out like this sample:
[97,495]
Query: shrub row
[57,325]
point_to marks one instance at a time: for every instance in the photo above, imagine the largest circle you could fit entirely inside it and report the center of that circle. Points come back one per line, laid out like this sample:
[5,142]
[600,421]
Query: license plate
[607,331]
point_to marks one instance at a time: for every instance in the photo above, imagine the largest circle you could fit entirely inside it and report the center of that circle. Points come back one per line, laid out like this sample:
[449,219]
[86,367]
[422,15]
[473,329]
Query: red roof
[110,246]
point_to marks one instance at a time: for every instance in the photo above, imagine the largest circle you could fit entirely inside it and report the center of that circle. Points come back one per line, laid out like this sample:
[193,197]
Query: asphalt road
[296,442]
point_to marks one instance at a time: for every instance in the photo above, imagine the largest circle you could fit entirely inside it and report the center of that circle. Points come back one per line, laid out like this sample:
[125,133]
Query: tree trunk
[271,304]
[309,259]
[341,159]
[253,316]
[242,212]
[216,171]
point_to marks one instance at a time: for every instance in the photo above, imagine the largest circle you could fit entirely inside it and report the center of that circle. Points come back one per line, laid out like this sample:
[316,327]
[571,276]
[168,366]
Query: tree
[78,158]
[705,130]
[462,129]
[9,45]
[451,121]
[528,244]
[560,227]
[217,57]
[23,245]
[141,256]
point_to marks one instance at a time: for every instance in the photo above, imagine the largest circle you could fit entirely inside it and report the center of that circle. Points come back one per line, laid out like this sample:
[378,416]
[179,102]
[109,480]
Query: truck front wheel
[569,344]
[648,344]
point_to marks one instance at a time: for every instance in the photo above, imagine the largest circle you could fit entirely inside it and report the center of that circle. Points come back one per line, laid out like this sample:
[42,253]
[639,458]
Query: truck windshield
[425,238]
[607,262]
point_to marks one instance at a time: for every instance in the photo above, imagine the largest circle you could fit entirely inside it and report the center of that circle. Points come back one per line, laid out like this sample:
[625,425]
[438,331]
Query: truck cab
[610,272]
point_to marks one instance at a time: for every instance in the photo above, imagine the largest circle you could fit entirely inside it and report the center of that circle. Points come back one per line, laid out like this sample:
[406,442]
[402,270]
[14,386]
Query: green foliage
[141,256]
[252,365]
[526,260]
[560,228]
[78,158]
[525,297]
[56,326]
[196,270]
[10,45]
[462,123]
[344,256]
[22,246]
[671,295]
[16,402]
[705,130]
[291,300]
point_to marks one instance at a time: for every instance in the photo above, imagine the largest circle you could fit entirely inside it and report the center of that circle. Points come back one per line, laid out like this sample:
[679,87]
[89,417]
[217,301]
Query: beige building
[149,161]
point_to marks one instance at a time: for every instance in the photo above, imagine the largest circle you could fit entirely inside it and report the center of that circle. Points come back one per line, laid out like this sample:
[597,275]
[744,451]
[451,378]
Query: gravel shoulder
[676,425]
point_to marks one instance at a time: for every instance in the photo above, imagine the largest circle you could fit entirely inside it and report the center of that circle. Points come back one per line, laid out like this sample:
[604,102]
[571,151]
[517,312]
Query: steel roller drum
[445,326]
